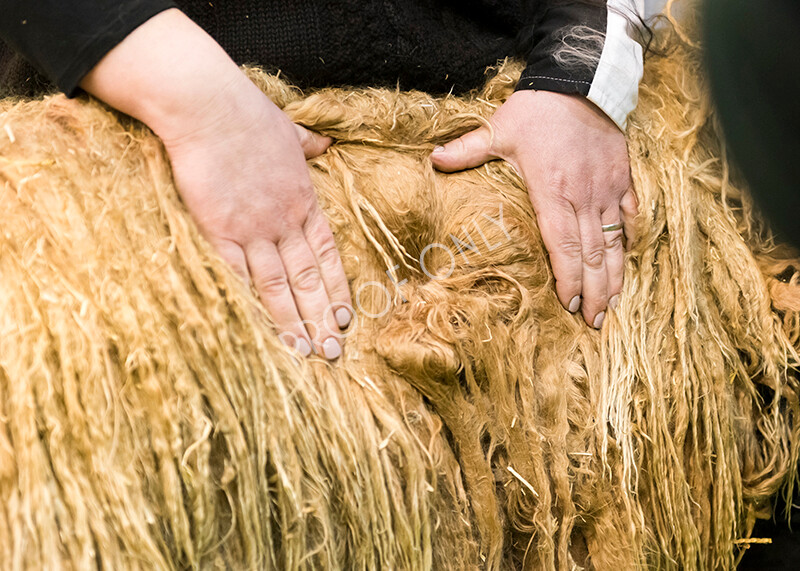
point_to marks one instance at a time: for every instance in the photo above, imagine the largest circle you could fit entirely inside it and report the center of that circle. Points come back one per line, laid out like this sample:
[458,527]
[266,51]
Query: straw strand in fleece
[150,418]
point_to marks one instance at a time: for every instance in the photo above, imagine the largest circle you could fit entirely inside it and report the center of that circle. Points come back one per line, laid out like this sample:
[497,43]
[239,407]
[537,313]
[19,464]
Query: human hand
[239,165]
[574,161]
[242,175]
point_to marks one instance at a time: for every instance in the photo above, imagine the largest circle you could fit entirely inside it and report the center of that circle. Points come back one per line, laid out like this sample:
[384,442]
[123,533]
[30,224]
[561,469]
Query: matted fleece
[150,418]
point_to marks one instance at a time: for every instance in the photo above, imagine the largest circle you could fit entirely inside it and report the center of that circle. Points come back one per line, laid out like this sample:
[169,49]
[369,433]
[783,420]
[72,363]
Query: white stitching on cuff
[526,78]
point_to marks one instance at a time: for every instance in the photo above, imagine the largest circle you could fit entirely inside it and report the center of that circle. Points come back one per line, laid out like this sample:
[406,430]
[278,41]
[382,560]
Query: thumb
[466,152]
[313,143]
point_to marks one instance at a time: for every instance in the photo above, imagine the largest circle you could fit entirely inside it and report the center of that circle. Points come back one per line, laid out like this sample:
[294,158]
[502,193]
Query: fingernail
[331,349]
[575,304]
[343,317]
[438,149]
[303,347]
[598,321]
[614,302]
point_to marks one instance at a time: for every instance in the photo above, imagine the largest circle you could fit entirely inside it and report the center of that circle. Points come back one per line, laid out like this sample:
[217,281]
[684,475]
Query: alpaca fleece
[150,418]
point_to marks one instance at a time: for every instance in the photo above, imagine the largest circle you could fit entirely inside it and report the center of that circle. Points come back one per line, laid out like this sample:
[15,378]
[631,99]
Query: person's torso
[433,45]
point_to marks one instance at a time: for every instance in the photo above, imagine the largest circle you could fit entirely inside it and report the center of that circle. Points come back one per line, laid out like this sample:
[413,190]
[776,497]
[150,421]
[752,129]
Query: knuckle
[307,280]
[620,177]
[614,241]
[571,249]
[272,284]
[299,203]
[297,213]
[328,254]
[558,181]
[593,258]
[584,205]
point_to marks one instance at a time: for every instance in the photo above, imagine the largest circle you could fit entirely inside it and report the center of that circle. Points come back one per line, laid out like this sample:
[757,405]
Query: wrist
[575,105]
[169,74]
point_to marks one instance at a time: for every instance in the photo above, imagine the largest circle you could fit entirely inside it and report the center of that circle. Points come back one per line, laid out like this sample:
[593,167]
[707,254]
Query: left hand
[574,161]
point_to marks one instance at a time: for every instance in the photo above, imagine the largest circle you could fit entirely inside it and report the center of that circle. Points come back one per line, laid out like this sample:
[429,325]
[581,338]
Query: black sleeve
[578,24]
[64,39]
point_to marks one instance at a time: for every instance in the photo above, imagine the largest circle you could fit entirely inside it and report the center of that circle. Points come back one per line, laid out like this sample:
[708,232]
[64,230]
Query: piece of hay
[149,417]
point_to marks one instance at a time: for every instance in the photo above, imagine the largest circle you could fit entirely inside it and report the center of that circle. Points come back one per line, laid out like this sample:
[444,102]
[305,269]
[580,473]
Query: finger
[232,253]
[595,273]
[272,284]
[614,255]
[629,207]
[320,238]
[308,289]
[466,152]
[313,144]
[561,236]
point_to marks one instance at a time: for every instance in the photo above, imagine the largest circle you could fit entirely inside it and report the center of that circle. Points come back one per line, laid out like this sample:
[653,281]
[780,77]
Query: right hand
[239,165]
[241,171]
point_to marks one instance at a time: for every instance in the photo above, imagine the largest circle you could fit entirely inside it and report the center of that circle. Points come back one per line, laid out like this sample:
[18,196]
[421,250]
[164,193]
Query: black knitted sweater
[433,45]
